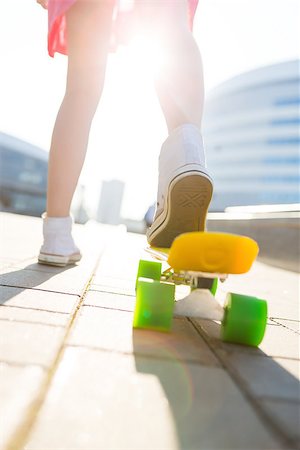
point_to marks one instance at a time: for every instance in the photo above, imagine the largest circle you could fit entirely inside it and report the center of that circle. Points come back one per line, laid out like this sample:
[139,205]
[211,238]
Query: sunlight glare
[147,53]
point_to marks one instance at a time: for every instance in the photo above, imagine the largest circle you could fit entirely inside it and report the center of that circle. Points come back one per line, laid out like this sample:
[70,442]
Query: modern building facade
[23,176]
[110,202]
[251,132]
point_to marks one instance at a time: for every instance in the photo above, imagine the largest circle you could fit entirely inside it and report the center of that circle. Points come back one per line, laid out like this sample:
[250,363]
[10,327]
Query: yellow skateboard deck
[209,252]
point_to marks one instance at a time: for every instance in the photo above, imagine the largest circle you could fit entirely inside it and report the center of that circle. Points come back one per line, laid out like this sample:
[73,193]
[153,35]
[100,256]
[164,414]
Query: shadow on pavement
[200,397]
[29,277]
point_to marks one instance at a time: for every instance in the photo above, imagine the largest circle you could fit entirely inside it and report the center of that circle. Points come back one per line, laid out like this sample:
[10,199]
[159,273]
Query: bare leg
[184,184]
[88,27]
[179,80]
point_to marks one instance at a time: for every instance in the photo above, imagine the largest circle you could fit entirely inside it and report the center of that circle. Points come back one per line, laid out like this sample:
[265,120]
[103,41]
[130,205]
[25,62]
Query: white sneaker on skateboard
[184,187]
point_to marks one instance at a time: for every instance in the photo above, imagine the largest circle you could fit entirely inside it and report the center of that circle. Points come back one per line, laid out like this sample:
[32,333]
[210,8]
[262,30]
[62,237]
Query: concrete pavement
[75,376]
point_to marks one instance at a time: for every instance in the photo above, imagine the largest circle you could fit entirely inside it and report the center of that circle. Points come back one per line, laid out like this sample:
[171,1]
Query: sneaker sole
[58,260]
[188,200]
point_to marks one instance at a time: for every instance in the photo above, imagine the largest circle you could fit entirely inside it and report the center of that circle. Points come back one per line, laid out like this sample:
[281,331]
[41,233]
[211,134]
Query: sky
[234,36]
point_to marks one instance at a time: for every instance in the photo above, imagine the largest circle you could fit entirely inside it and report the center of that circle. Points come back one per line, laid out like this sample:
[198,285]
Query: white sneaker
[58,248]
[184,187]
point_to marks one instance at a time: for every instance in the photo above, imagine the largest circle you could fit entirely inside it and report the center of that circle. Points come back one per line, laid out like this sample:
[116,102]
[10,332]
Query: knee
[175,38]
[86,85]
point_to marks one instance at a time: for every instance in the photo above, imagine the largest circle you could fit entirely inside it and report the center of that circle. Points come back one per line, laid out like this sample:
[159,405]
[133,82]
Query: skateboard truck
[200,302]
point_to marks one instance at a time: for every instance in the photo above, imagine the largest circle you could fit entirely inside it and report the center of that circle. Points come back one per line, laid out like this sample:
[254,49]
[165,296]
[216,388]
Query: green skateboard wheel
[154,306]
[244,320]
[148,269]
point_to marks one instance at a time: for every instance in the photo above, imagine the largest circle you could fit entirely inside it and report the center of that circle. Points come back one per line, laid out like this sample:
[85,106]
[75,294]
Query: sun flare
[147,53]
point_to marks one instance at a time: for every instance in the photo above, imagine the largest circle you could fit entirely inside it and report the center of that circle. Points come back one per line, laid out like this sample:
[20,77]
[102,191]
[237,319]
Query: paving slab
[278,341]
[269,374]
[28,315]
[18,386]
[71,280]
[286,416]
[113,281]
[111,330]
[35,299]
[114,285]
[29,343]
[32,264]
[128,402]
[109,300]
[276,378]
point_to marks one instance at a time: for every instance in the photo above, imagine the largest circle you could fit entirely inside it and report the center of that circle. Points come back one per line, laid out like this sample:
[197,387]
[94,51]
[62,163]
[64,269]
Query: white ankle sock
[58,238]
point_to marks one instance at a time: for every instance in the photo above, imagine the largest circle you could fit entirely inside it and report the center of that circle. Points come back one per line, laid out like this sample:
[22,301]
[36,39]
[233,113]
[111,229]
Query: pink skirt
[57,37]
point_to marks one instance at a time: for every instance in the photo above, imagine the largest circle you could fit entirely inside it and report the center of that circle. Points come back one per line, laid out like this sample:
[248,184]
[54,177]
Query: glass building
[23,176]
[251,132]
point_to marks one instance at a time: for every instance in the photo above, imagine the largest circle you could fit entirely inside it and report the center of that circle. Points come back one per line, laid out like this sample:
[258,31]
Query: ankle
[61,225]
[56,213]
